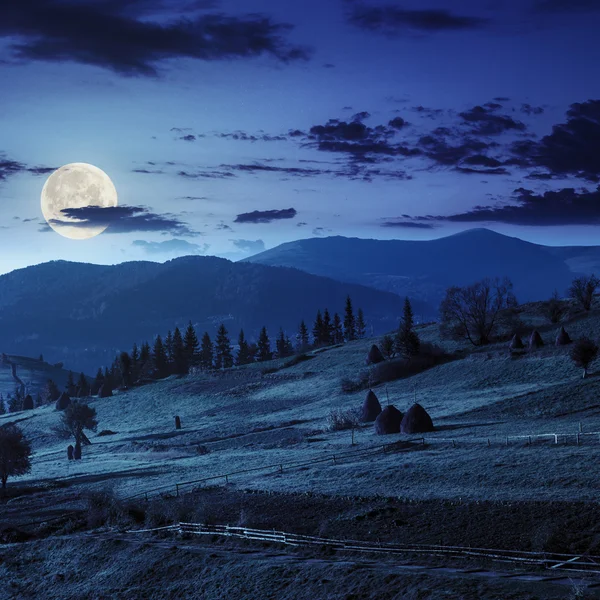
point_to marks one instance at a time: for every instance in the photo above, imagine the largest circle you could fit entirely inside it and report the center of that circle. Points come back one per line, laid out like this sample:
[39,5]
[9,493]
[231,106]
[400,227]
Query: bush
[350,385]
[104,508]
[429,356]
[339,419]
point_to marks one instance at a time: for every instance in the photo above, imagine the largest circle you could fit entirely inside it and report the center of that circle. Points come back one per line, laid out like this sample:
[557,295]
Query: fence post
[556,439]
[281,468]
[578,439]
[334,459]
[580,427]
[177,489]
[489,444]
[507,440]
[530,440]
[226,479]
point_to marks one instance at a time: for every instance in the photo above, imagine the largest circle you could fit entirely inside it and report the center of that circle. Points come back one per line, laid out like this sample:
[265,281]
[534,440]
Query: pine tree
[288,347]
[264,346]
[361,328]
[83,388]
[107,378]
[98,381]
[190,341]
[349,322]
[70,387]
[327,328]
[243,353]
[2,405]
[145,353]
[223,351]
[51,392]
[338,332]
[159,358]
[302,341]
[206,352]
[179,356]
[407,341]
[252,352]
[318,330]
[168,345]
[135,363]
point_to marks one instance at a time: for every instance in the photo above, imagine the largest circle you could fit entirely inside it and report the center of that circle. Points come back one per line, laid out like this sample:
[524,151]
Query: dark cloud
[188,138]
[258,168]
[571,148]
[252,247]
[502,99]
[427,112]
[174,246]
[248,137]
[124,219]
[10,167]
[408,224]
[398,123]
[120,36]
[266,216]
[528,109]
[393,20]
[568,6]
[301,224]
[214,174]
[484,120]
[443,152]
[222,226]
[552,208]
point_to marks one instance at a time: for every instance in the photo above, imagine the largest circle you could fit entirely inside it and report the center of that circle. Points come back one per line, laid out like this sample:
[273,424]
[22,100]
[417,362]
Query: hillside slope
[83,314]
[424,269]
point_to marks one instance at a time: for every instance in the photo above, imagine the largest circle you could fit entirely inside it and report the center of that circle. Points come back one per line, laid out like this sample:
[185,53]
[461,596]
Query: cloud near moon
[76,186]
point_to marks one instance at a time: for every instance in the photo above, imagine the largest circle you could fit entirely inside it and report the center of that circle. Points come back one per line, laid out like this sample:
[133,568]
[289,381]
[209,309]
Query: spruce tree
[98,381]
[168,345]
[243,353]
[179,355]
[223,350]
[349,322]
[283,345]
[206,352]
[70,387]
[407,342]
[327,328]
[145,353]
[125,365]
[2,405]
[264,346]
[338,331]
[302,337]
[361,328]
[107,378]
[190,341]
[159,358]
[83,388]
[288,347]
[135,363]
[318,330]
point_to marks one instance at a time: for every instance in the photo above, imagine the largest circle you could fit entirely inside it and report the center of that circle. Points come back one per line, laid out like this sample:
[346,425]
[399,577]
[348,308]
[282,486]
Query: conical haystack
[516,343]
[416,420]
[63,401]
[104,391]
[535,341]
[370,408]
[388,421]
[563,338]
[374,356]
[28,402]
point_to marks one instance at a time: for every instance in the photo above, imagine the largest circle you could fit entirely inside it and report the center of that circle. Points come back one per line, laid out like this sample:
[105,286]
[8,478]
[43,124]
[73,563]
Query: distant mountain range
[424,269]
[84,314]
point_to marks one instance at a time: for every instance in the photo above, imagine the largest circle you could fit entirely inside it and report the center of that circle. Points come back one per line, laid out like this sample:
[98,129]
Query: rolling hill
[84,314]
[424,269]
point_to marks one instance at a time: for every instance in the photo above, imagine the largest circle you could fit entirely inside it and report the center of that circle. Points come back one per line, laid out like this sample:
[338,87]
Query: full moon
[77,185]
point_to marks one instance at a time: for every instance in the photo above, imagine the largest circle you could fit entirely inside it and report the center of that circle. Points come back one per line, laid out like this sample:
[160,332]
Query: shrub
[350,385]
[339,419]
[104,508]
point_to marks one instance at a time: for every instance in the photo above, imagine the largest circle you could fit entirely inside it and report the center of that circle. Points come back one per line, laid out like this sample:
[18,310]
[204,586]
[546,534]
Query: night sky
[229,127]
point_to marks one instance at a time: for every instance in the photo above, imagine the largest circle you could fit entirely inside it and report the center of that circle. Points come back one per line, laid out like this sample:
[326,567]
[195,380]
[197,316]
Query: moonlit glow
[76,185]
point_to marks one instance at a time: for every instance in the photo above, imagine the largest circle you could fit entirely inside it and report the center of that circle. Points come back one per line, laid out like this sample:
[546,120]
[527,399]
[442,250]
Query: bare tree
[15,453]
[476,311]
[582,290]
[584,353]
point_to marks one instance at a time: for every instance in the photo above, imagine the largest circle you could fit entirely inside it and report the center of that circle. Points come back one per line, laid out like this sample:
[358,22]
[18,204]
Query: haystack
[374,356]
[516,343]
[388,421]
[63,401]
[416,420]
[104,391]
[370,408]
[535,341]
[28,403]
[563,338]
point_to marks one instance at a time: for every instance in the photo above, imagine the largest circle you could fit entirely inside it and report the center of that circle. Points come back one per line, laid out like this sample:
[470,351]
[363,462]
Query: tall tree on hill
[70,386]
[361,328]
[327,328]
[15,453]
[159,358]
[145,353]
[108,378]
[206,352]
[98,381]
[302,341]
[475,312]
[126,365]
[179,356]
[283,345]
[349,321]
[407,342]
[190,341]
[243,353]
[168,344]
[582,290]
[583,353]
[555,309]
[2,405]
[51,392]
[338,331]
[264,346]
[223,350]
[75,418]
[317,332]
[135,363]
[83,387]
